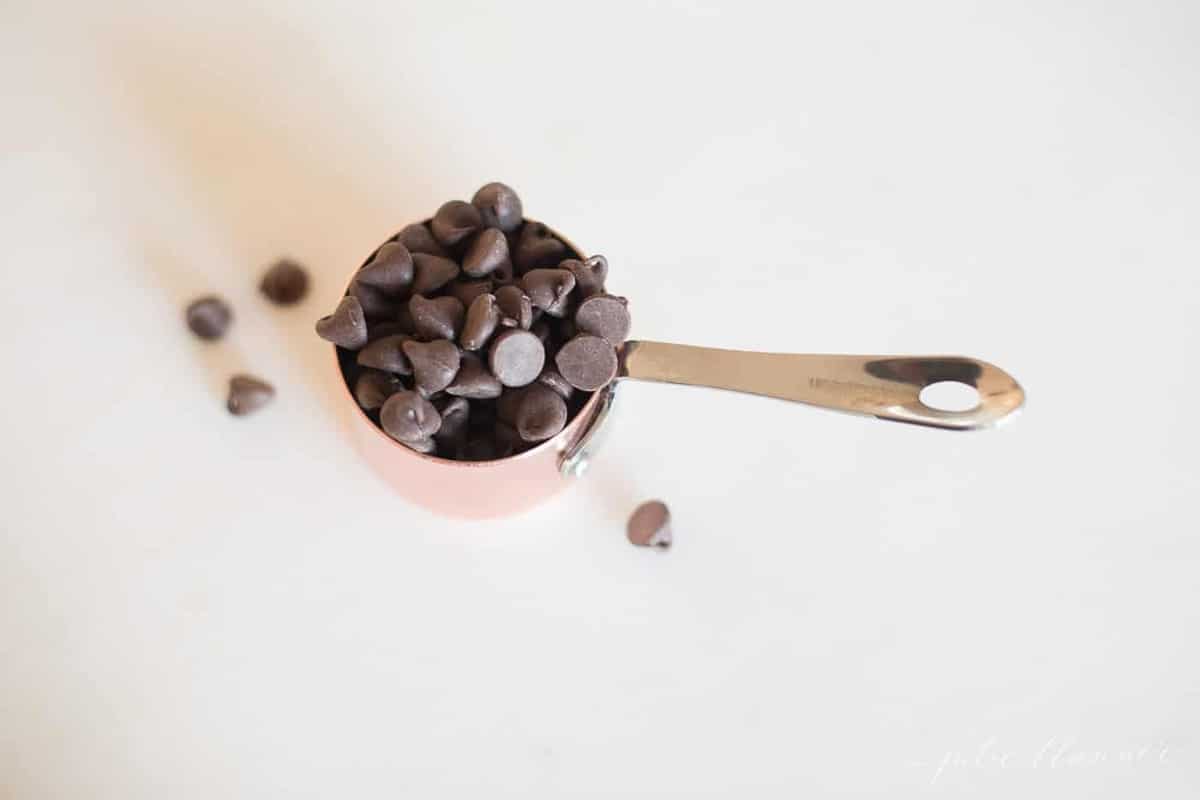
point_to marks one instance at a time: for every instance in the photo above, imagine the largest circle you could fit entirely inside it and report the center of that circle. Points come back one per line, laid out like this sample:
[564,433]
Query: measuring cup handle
[887,387]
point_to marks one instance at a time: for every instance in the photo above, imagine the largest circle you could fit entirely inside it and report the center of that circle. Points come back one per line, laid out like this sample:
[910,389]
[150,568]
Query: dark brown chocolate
[285,283]
[454,222]
[386,354]
[483,317]
[439,318]
[434,364]
[248,394]
[209,317]
[391,270]
[499,206]
[346,326]
[587,362]
[410,418]
[650,525]
[473,380]
[516,357]
[432,273]
[488,252]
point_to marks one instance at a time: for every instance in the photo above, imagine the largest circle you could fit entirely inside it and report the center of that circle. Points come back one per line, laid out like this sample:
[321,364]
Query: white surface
[193,606]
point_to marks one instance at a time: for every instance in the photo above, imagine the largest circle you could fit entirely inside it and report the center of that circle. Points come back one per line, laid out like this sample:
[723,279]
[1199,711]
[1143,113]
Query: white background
[196,606]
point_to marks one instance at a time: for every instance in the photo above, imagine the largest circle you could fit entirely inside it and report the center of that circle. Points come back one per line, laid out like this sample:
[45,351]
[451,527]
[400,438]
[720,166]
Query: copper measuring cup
[884,387]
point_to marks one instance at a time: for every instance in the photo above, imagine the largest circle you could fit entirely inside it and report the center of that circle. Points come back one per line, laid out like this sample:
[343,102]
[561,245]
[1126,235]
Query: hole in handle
[950,396]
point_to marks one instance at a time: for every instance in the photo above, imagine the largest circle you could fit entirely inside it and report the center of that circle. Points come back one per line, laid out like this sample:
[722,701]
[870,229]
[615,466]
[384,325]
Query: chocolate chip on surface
[374,386]
[516,357]
[587,362]
[541,414]
[650,525]
[473,380]
[499,206]
[248,394]
[439,318]
[387,354]
[482,319]
[408,417]
[516,309]
[454,222]
[346,326]
[487,253]
[537,246]
[434,364]
[285,283]
[418,239]
[391,269]
[606,316]
[432,273]
[549,289]
[208,317]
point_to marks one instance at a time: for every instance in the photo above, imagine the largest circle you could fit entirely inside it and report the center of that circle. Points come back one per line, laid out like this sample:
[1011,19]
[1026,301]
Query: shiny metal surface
[886,387]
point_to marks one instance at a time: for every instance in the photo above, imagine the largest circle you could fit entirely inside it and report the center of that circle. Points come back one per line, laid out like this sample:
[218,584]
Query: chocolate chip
[376,305]
[426,446]
[587,282]
[386,354]
[390,270]
[537,247]
[541,415]
[373,387]
[408,417]
[499,206]
[473,380]
[467,291]
[587,362]
[509,404]
[418,239]
[346,326]
[434,364]
[650,525]
[432,273]
[605,316]
[454,222]
[549,289]
[209,317]
[482,318]
[439,318]
[504,275]
[552,379]
[516,309]
[285,283]
[598,264]
[248,394]
[455,413]
[516,357]
[487,253]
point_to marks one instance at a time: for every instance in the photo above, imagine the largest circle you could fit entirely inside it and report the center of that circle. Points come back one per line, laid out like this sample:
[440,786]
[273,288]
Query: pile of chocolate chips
[479,334]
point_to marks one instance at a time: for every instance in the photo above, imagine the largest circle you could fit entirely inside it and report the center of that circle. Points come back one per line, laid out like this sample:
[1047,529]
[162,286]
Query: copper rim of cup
[561,441]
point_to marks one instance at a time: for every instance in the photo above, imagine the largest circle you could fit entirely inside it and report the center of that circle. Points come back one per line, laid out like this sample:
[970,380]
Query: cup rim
[560,441]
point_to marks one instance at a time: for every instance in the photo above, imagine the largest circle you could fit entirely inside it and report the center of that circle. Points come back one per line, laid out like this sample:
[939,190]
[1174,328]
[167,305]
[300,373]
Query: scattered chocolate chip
[549,289]
[499,206]
[408,417]
[373,387]
[248,394]
[390,270]
[454,222]
[467,291]
[473,380]
[587,282]
[650,525]
[376,305]
[516,357]
[439,318]
[418,239]
[516,309]
[551,378]
[285,283]
[209,317]
[605,316]
[587,362]
[482,319]
[541,414]
[387,354]
[434,364]
[487,253]
[537,247]
[346,326]
[432,273]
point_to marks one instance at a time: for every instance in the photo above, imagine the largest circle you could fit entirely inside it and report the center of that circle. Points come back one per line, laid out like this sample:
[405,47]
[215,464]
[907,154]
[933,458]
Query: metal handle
[887,387]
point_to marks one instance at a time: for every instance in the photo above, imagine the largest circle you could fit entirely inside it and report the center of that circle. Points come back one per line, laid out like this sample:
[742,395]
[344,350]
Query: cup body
[471,489]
